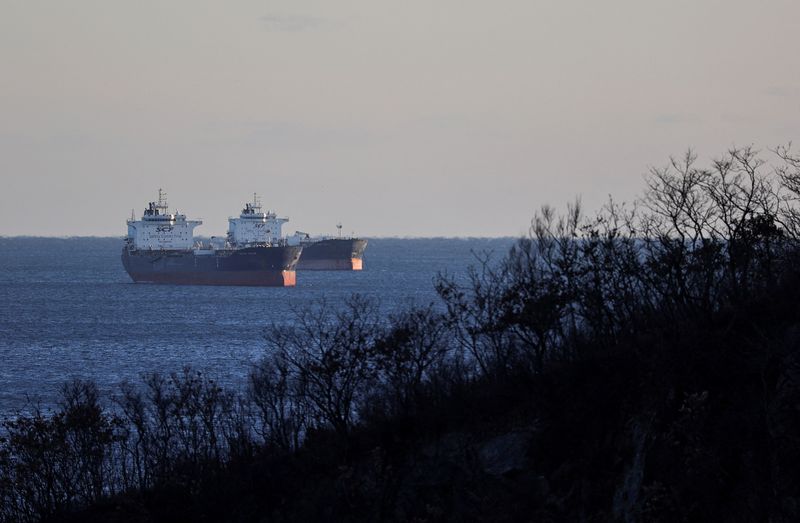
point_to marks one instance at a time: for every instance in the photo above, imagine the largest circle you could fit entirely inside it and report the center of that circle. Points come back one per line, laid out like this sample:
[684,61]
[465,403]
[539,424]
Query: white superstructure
[254,226]
[160,230]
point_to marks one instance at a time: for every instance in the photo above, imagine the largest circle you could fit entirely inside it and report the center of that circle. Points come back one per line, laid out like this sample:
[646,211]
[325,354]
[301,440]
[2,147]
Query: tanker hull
[336,254]
[252,266]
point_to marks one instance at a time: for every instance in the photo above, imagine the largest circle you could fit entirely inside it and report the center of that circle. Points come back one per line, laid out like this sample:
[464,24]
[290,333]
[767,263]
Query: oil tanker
[319,253]
[331,254]
[160,248]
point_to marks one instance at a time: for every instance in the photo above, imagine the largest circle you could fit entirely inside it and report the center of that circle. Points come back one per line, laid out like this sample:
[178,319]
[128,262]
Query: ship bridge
[159,229]
[254,226]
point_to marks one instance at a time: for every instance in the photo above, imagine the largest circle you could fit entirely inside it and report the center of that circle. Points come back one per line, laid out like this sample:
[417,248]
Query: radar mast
[162,202]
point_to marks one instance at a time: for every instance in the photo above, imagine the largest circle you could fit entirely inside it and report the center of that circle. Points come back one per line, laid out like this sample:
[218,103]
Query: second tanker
[332,254]
[319,253]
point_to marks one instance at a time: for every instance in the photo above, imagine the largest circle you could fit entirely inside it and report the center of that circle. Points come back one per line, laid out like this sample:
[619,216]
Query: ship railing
[275,242]
[328,237]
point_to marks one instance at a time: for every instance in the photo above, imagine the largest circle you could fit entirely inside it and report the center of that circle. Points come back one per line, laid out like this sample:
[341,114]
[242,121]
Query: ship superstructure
[254,226]
[161,230]
[160,248]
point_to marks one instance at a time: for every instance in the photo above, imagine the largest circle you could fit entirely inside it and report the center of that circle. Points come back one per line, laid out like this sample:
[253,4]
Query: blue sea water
[68,310]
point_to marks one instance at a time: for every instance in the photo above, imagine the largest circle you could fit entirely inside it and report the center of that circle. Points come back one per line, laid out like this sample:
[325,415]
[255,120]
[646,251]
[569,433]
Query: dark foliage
[640,365]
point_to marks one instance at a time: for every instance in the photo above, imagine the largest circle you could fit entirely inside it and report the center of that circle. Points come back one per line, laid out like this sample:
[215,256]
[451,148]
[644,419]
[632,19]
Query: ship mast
[339,226]
[162,202]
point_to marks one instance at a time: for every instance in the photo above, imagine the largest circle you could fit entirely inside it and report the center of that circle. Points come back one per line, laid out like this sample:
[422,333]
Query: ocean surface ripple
[68,310]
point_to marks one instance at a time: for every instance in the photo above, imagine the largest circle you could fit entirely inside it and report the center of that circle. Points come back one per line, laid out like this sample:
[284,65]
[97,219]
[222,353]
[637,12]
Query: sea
[68,310]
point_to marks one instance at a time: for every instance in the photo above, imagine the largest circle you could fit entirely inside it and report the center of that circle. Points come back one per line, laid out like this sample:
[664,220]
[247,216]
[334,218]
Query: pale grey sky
[413,118]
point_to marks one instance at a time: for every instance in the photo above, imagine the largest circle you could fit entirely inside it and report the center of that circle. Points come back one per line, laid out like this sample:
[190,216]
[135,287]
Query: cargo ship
[160,248]
[331,254]
[319,253]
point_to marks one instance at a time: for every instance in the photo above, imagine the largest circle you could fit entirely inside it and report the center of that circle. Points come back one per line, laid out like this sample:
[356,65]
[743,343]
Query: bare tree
[330,354]
[273,389]
[412,348]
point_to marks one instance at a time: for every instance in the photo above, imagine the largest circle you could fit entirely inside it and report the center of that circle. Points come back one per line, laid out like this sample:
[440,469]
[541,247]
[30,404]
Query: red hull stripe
[351,264]
[250,278]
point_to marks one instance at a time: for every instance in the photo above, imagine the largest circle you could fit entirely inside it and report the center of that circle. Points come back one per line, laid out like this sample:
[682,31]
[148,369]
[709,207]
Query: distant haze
[414,118]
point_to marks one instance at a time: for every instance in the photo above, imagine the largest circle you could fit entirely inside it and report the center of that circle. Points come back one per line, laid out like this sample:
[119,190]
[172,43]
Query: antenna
[339,226]
[162,201]
[133,215]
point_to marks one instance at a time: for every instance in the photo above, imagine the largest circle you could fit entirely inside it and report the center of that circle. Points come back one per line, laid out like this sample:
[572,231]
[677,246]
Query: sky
[413,118]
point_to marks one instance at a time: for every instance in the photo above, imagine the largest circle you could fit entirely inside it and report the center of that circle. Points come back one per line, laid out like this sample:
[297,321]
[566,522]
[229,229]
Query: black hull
[335,254]
[259,266]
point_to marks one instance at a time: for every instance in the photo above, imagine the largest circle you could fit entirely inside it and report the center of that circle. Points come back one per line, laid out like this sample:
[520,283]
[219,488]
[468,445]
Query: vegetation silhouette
[641,364]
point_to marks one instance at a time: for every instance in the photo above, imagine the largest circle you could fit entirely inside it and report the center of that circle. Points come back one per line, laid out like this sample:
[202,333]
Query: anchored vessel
[324,254]
[160,248]
[332,254]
